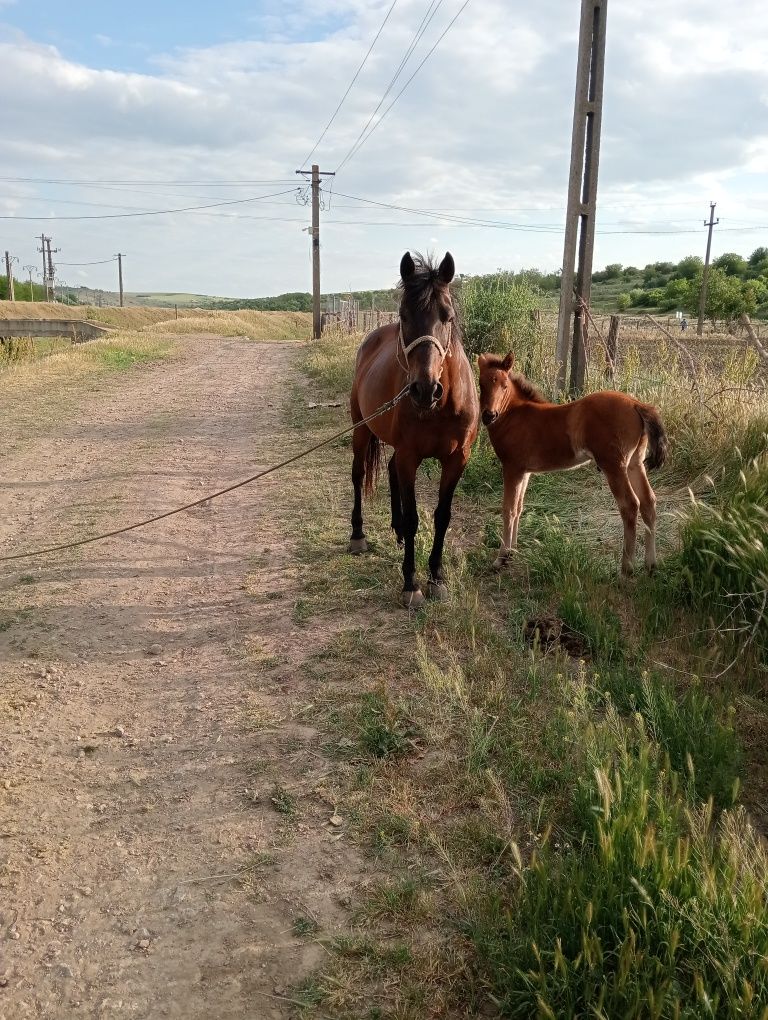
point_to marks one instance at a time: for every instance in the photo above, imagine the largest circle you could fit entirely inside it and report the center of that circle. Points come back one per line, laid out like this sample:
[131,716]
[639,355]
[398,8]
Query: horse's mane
[525,387]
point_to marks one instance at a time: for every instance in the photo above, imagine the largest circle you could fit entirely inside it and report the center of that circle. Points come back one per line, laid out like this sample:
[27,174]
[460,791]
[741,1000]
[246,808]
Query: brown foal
[529,434]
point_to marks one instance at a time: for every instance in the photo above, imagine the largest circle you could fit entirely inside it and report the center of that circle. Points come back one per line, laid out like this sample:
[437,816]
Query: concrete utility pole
[582,193]
[9,274]
[30,270]
[119,258]
[47,253]
[711,222]
[317,173]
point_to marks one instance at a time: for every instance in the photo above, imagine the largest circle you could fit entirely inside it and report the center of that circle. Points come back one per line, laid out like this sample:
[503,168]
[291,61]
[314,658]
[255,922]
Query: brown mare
[439,417]
[529,435]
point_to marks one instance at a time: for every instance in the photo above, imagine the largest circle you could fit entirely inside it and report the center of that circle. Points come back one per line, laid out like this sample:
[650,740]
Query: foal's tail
[658,445]
[372,463]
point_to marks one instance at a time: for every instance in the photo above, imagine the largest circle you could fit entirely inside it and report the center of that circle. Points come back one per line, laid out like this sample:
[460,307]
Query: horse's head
[496,385]
[426,315]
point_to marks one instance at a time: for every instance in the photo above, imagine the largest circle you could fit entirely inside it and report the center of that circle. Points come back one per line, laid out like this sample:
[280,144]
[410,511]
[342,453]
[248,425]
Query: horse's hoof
[412,599]
[357,546]
[501,561]
[651,568]
[437,590]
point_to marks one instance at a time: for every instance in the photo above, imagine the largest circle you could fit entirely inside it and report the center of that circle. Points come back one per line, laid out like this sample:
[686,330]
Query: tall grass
[656,912]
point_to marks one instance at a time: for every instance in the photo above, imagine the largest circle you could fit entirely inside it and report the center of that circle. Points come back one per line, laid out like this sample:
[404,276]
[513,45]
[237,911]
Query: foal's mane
[525,387]
[424,286]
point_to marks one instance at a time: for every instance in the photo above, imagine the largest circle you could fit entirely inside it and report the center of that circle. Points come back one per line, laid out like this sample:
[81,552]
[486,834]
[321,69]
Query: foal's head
[426,310]
[499,385]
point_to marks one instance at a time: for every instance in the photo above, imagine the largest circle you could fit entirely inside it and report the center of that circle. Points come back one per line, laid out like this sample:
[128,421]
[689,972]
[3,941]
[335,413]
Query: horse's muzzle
[489,417]
[425,394]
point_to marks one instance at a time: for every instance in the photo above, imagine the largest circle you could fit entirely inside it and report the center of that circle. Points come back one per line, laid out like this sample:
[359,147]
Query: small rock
[336,819]
[118,731]
[155,650]
[85,890]
[346,742]
[63,971]
[6,784]
[278,990]
[144,934]
[142,944]
[14,934]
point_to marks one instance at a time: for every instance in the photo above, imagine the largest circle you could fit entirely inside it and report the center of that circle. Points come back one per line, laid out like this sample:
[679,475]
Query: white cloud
[484,129]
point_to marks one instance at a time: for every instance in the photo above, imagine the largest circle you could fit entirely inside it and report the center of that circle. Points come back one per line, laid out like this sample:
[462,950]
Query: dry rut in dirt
[163,816]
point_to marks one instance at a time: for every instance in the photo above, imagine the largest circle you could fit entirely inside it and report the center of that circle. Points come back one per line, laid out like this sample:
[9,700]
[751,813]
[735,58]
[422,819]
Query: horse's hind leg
[645,494]
[627,502]
[360,440]
[397,506]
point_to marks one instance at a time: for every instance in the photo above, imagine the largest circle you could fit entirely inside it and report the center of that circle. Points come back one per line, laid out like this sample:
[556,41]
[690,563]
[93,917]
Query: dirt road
[164,823]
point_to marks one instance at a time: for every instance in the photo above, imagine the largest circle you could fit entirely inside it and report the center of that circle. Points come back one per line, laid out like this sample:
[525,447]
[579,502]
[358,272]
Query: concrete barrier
[78,330]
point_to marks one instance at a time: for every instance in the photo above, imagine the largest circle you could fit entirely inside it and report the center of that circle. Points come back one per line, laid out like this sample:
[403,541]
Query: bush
[497,313]
[623,301]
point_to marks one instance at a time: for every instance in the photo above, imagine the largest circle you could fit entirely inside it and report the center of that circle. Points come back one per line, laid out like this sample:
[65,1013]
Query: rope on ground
[390,404]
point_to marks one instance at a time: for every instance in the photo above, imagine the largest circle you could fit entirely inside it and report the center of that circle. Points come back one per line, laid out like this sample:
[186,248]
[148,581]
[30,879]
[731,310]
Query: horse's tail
[658,445]
[372,463]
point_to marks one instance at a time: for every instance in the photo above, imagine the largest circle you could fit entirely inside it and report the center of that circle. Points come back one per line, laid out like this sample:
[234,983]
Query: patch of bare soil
[164,812]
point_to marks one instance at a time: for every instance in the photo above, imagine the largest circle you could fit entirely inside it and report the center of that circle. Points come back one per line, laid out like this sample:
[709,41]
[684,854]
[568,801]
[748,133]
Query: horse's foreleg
[453,468]
[397,506]
[514,489]
[406,467]
[519,507]
[361,438]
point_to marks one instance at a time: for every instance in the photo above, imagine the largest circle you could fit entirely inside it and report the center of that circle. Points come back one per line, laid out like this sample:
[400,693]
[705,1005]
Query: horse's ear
[407,266]
[447,269]
[509,361]
[482,361]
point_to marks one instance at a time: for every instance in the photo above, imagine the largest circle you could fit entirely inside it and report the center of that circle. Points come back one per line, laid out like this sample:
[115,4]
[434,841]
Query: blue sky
[130,37]
[132,108]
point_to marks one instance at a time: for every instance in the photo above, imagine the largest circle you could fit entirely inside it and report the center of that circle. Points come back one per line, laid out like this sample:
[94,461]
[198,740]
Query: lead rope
[390,404]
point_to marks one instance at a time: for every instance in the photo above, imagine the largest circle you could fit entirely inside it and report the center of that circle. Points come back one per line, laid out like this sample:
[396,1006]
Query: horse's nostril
[489,417]
[437,391]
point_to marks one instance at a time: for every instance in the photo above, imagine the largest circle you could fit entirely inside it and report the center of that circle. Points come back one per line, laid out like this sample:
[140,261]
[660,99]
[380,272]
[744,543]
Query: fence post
[612,343]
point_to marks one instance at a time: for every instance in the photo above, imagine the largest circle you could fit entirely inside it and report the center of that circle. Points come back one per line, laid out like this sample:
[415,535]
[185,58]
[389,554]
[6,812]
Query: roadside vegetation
[560,777]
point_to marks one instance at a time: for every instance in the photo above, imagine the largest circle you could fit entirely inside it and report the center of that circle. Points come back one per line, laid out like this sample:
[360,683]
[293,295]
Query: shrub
[497,314]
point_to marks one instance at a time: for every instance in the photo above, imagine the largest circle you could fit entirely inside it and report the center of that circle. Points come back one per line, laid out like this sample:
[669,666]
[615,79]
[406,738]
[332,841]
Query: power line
[349,87]
[417,36]
[99,262]
[180,184]
[358,145]
[153,212]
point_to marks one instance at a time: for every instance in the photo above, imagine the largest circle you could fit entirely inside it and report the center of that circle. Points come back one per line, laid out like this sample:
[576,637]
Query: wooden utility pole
[576,285]
[9,273]
[120,275]
[711,223]
[317,173]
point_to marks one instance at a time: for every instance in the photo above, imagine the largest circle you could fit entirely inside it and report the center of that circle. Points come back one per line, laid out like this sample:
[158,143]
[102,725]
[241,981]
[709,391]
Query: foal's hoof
[437,590]
[501,562]
[357,546]
[412,599]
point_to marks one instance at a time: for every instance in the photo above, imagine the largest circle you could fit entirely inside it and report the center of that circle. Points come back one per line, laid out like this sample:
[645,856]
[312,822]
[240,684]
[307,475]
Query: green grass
[564,836]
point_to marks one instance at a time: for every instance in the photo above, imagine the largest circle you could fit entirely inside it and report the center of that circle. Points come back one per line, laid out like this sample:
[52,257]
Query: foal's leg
[512,483]
[453,468]
[406,465]
[647,497]
[519,507]
[627,502]
[360,439]
[397,506]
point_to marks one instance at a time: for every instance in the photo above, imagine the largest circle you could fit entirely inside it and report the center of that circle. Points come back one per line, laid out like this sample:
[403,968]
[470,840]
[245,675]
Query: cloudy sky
[123,108]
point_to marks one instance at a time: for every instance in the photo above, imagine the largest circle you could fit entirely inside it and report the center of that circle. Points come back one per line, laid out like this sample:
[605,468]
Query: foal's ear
[407,266]
[509,361]
[482,361]
[446,269]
